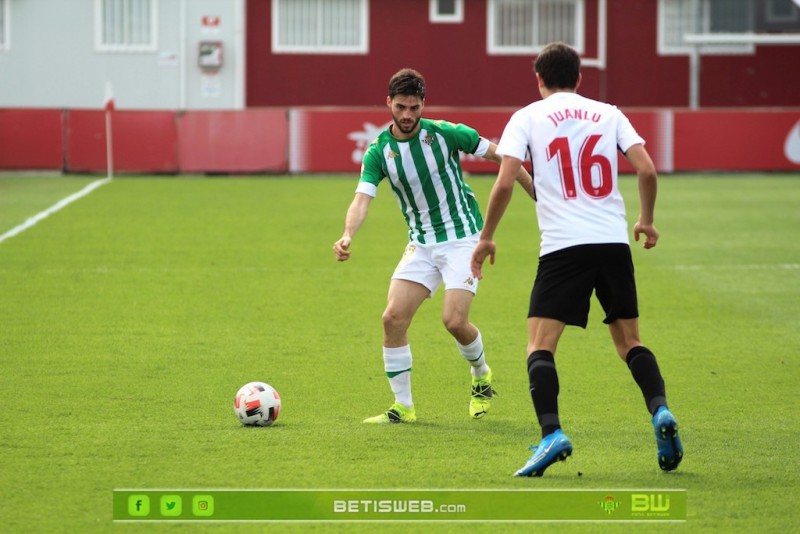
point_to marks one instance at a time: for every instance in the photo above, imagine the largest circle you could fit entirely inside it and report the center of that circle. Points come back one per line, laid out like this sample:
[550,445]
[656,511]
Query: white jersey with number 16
[573,143]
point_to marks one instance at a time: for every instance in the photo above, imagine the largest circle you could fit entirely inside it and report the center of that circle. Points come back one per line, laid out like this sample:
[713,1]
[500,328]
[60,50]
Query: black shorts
[566,278]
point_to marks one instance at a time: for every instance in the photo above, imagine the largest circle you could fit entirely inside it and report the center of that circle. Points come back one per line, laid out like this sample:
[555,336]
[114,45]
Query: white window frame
[494,49]
[436,17]
[361,48]
[665,49]
[5,25]
[100,46]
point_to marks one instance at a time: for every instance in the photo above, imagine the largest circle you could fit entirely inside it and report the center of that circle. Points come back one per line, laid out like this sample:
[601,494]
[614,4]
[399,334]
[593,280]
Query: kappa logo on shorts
[408,254]
[469,281]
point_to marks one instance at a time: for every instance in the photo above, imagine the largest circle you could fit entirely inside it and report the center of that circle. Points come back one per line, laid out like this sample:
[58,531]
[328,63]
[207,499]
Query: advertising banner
[386,505]
[334,139]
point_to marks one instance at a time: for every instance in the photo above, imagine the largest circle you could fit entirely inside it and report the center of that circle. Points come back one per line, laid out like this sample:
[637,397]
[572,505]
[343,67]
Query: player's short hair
[559,65]
[407,82]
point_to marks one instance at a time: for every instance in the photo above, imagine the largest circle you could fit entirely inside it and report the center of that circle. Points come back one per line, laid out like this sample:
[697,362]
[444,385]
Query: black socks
[544,389]
[644,369]
[544,386]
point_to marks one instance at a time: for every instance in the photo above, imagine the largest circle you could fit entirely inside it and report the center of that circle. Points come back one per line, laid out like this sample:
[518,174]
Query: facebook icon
[138,505]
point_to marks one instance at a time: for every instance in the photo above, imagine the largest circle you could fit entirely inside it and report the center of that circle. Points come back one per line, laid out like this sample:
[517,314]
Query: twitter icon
[171,505]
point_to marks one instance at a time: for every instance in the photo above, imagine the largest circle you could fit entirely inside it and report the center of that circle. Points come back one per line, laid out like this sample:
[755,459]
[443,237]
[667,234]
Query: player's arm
[355,217]
[523,176]
[498,202]
[646,174]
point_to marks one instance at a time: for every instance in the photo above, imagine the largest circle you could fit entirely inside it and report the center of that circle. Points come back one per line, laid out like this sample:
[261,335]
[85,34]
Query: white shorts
[447,262]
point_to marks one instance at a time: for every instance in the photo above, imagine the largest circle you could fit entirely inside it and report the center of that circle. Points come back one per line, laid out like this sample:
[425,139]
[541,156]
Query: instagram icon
[203,505]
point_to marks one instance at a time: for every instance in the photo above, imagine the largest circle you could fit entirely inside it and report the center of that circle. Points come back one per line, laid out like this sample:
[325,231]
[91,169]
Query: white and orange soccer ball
[257,404]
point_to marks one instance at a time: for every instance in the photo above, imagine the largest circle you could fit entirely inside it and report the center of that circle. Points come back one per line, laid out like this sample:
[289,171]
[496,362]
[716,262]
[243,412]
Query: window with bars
[677,18]
[448,11]
[4,24]
[526,26]
[125,25]
[320,26]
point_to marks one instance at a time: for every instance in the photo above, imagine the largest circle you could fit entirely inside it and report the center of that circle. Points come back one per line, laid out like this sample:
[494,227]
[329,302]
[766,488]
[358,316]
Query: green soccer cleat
[397,413]
[482,393]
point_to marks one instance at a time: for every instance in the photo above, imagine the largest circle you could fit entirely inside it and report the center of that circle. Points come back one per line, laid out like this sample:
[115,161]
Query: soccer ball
[257,404]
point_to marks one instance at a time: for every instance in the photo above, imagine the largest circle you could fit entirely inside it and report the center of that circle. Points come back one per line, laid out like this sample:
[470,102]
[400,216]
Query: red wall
[233,141]
[635,75]
[452,57]
[768,78]
[143,141]
[31,139]
[738,140]
[459,72]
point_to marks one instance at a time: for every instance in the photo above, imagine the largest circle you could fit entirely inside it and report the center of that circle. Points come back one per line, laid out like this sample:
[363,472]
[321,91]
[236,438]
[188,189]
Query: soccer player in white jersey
[573,142]
[420,160]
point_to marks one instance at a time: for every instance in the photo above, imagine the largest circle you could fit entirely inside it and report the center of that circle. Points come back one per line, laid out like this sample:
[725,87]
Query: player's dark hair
[407,82]
[559,66]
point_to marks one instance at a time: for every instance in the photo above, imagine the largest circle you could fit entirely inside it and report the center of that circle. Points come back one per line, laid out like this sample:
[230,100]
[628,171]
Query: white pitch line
[54,208]
[739,267]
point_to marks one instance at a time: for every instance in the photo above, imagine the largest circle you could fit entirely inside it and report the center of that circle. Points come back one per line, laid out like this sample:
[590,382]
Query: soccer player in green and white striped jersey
[426,178]
[420,160]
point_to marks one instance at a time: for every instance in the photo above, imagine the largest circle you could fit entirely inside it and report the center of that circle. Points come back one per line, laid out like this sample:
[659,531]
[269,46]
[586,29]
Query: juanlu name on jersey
[578,114]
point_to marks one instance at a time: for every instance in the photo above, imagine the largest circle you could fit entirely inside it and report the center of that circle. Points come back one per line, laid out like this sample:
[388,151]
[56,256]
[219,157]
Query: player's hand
[482,249]
[341,249]
[649,231]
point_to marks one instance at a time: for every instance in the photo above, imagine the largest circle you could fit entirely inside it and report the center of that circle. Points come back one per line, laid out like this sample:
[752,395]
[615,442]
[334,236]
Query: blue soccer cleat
[670,450]
[553,448]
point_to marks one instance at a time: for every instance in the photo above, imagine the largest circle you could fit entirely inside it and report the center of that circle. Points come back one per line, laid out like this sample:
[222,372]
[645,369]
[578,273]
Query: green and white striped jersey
[426,177]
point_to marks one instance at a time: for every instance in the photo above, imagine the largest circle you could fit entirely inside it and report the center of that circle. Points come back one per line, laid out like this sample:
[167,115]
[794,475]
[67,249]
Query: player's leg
[616,291]
[453,261]
[405,298]
[543,336]
[641,362]
[414,280]
[560,296]
[455,315]
[644,368]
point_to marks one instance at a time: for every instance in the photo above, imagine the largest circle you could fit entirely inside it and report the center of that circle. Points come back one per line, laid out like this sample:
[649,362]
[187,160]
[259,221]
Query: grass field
[130,318]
